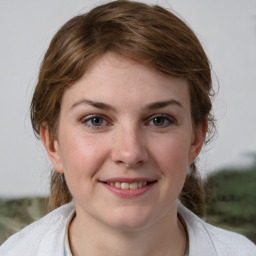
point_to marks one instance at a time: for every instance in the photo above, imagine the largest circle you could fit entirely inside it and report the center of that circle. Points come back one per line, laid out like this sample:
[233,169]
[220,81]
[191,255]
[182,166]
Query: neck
[165,237]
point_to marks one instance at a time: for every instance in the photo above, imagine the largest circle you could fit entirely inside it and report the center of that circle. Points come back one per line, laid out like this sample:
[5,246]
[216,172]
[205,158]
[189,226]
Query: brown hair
[147,34]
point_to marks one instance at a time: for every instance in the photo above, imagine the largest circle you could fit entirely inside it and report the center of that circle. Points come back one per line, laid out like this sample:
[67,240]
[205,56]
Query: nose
[129,148]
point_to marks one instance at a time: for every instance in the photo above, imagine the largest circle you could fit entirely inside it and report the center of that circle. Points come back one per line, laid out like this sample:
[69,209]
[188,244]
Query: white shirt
[46,237]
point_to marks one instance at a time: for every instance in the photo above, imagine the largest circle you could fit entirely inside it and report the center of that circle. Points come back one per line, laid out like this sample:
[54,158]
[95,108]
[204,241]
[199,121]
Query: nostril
[131,156]
[129,164]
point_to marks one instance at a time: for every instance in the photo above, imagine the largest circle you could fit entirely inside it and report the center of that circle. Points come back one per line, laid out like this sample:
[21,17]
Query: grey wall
[226,28]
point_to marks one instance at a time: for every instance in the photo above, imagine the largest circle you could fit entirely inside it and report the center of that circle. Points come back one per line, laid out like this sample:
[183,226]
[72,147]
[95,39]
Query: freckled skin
[129,142]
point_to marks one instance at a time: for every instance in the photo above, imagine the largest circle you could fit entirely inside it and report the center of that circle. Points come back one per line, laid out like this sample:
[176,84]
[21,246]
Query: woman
[122,106]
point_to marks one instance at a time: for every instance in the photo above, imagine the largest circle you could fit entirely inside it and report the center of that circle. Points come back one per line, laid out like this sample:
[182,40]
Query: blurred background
[227,31]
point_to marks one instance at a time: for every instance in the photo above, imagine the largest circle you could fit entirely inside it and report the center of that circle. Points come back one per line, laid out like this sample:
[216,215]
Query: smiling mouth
[127,185]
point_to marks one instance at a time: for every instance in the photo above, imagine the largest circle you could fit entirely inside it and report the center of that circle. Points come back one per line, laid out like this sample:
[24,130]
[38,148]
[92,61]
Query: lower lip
[128,193]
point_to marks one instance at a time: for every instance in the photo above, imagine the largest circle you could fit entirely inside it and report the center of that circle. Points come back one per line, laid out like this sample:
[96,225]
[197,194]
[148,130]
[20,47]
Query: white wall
[226,28]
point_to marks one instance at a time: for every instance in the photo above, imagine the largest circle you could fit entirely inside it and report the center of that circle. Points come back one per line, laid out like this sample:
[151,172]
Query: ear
[198,140]
[52,148]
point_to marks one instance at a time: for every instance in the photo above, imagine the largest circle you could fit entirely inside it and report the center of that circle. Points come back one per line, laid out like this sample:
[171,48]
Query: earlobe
[198,140]
[52,148]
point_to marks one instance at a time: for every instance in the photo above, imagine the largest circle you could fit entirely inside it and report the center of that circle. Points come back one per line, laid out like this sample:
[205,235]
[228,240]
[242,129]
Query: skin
[133,138]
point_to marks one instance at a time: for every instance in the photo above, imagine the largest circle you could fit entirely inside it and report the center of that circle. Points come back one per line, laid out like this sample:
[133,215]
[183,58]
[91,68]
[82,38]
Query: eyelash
[87,119]
[165,118]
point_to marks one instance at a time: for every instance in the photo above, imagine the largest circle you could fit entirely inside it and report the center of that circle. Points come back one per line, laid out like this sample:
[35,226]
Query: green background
[230,195]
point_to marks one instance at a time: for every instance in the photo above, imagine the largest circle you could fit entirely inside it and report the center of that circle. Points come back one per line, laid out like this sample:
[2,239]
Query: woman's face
[125,140]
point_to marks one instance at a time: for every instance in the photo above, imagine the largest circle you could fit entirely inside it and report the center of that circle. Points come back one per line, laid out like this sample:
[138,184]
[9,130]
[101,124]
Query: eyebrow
[104,106]
[99,105]
[163,104]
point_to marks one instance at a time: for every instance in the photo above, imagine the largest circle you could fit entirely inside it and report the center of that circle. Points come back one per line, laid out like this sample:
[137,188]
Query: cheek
[81,155]
[173,154]
[172,160]
[82,159]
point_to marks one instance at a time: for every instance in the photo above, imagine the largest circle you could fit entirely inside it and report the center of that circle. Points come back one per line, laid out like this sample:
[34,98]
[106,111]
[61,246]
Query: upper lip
[127,179]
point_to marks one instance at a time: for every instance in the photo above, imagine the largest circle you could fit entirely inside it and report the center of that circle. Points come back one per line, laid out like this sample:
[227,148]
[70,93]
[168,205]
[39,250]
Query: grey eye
[96,121]
[159,121]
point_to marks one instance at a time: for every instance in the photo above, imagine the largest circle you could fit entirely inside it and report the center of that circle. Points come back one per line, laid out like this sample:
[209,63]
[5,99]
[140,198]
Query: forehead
[116,79]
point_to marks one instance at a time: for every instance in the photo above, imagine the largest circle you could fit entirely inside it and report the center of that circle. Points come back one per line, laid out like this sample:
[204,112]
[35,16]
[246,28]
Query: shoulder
[229,243]
[41,237]
[205,239]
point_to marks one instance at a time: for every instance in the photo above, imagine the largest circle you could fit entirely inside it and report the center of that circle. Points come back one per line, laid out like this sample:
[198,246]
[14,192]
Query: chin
[130,219]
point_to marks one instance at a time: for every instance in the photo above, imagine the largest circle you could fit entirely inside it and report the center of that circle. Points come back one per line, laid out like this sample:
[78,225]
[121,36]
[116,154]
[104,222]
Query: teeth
[126,185]
[117,184]
[133,185]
